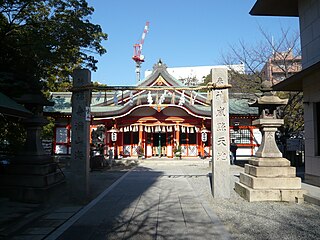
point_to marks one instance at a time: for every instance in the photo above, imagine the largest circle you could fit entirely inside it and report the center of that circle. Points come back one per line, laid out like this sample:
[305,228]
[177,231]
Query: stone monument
[80,144]
[220,136]
[268,176]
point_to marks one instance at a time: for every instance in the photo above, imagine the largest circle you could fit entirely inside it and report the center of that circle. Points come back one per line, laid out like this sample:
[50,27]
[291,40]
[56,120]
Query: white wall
[309,17]
[311,95]
[198,72]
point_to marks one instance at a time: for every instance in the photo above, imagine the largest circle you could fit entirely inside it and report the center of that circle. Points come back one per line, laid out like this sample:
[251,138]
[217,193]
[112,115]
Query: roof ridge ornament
[159,65]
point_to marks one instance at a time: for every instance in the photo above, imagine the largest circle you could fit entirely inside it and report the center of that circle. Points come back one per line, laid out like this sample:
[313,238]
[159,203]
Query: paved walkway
[154,201]
[164,199]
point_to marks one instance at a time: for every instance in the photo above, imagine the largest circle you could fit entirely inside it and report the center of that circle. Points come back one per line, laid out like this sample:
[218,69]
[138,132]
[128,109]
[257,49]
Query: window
[61,135]
[62,140]
[241,136]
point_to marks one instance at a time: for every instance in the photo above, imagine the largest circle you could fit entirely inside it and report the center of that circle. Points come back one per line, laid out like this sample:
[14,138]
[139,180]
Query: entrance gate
[219,117]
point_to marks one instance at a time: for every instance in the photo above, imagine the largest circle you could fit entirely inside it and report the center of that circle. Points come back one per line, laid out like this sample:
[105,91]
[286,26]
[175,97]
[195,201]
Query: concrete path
[154,201]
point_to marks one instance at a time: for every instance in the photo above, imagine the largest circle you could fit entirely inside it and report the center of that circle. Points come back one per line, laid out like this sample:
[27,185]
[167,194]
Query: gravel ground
[257,220]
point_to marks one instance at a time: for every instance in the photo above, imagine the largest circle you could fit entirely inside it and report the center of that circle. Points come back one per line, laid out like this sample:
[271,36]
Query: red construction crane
[138,57]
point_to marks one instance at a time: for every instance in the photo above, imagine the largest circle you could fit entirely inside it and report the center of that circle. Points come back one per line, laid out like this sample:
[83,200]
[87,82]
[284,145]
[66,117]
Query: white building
[308,80]
[192,76]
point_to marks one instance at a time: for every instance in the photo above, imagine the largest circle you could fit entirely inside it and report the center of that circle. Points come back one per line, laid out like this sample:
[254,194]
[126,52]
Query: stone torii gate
[80,125]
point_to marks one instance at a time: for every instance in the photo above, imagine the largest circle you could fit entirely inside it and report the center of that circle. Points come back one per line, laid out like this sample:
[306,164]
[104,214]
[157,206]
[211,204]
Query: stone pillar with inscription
[220,136]
[80,138]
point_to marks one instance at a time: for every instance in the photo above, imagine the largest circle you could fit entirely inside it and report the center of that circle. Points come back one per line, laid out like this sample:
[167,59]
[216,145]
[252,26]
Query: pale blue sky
[182,33]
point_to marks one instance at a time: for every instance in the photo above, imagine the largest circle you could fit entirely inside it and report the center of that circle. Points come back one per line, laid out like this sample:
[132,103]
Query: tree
[282,55]
[241,82]
[41,42]
[282,51]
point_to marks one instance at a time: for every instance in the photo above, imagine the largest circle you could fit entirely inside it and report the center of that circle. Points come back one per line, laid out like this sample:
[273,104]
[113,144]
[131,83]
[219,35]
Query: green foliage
[283,49]
[47,130]
[244,83]
[41,42]
[207,79]
[12,135]
[292,113]
[177,151]
[241,83]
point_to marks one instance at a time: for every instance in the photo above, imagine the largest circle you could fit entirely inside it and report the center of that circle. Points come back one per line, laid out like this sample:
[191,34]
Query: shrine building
[156,122]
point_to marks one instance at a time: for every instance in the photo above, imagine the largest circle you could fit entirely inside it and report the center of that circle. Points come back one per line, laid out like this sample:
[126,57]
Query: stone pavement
[154,201]
[36,221]
[164,199]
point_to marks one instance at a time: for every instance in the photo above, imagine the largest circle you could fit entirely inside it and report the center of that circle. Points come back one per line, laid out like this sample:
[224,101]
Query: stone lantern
[268,121]
[269,176]
[32,175]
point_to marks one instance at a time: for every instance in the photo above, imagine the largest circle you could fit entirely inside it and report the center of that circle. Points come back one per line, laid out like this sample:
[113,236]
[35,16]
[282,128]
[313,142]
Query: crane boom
[137,56]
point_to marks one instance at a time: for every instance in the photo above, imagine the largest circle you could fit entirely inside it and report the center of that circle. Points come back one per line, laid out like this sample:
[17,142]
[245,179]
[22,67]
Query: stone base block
[270,183]
[31,180]
[33,194]
[275,195]
[41,169]
[270,162]
[312,199]
[32,159]
[270,171]
[312,179]
[289,195]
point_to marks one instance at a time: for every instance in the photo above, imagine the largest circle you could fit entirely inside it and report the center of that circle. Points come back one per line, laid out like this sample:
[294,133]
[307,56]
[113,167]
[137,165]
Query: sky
[182,33]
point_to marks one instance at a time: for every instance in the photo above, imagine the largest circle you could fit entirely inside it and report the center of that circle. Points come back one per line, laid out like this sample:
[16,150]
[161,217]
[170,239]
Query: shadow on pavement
[124,212]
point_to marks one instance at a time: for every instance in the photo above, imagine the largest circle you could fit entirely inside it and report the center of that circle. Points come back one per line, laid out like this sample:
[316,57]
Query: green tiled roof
[10,107]
[237,106]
